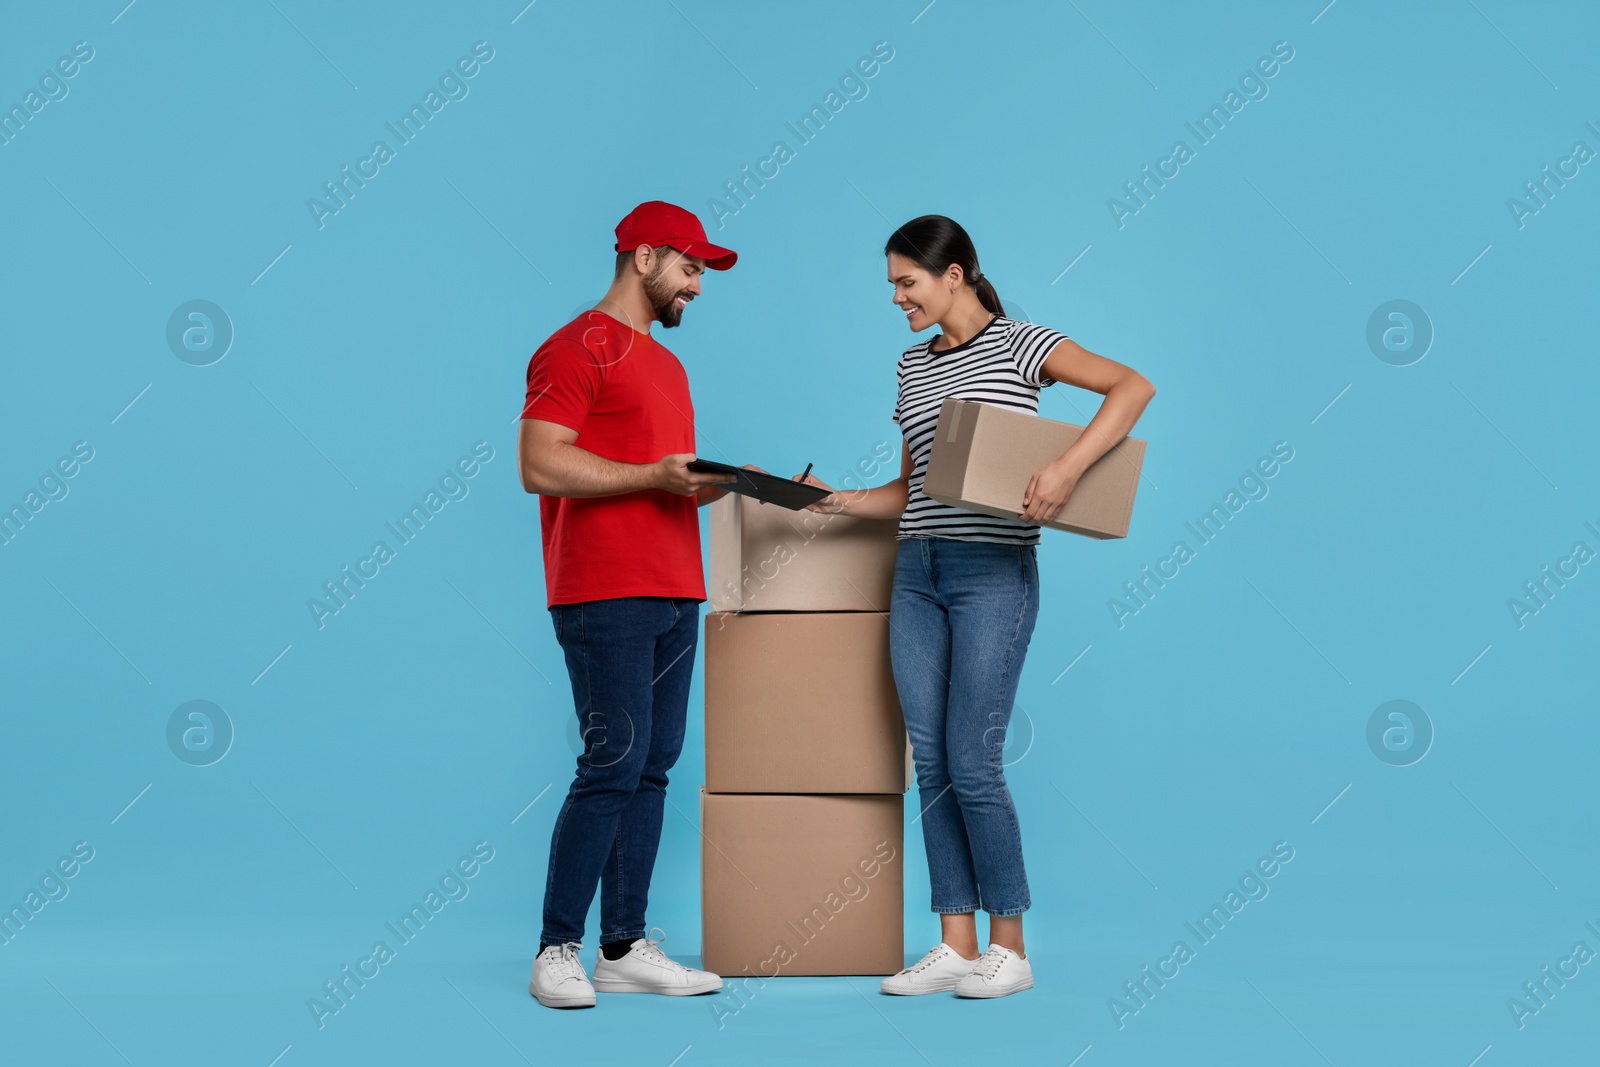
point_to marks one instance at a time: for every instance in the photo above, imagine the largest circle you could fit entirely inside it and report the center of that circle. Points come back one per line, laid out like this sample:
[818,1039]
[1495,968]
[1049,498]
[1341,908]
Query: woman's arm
[1126,392]
[881,502]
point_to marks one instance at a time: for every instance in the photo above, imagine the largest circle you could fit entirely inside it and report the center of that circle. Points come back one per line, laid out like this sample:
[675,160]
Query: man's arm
[551,464]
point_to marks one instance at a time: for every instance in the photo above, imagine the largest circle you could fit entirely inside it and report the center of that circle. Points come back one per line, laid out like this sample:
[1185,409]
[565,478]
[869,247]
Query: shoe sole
[991,994]
[564,1002]
[920,991]
[617,985]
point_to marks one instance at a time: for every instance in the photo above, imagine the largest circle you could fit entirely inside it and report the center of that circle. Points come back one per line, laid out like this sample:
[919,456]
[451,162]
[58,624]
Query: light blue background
[1226,716]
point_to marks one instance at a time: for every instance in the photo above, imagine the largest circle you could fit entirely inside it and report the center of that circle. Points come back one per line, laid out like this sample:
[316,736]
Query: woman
[966,590]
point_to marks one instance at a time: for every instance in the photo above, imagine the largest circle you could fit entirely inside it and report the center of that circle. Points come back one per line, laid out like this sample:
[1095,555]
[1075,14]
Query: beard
[661,295]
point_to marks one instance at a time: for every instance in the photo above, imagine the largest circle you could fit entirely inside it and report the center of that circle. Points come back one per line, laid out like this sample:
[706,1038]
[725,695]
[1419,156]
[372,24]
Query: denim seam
[1011,648]
[1011,654]
[616,844]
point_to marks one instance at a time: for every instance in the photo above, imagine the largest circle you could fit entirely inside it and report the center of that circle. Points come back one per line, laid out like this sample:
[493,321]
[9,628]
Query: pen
[806,473]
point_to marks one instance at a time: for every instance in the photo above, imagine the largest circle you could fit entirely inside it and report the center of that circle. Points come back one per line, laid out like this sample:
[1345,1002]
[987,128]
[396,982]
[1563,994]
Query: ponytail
[934,243]
[987,296]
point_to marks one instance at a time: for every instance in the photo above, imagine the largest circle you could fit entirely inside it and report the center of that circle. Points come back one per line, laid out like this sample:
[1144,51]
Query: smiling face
[923,296]
[672,283]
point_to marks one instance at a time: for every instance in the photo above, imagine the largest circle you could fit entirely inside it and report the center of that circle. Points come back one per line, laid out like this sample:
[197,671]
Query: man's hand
[711,494]
[672,473]
[1047,493]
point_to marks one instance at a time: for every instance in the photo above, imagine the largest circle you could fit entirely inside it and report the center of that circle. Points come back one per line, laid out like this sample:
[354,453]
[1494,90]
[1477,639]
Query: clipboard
[770,488]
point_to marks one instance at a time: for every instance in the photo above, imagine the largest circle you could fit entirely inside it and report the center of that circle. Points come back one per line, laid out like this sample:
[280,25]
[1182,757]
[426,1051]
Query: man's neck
[628,307]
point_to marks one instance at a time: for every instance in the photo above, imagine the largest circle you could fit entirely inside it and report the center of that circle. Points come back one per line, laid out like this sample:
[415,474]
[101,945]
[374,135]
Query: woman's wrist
[1068,466]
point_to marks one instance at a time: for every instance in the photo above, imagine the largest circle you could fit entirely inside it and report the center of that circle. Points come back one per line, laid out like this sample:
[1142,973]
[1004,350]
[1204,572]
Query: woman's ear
[954,276]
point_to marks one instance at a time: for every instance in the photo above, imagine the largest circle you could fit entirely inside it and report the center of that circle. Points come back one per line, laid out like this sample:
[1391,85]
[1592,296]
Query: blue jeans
[959,625]
[630,660]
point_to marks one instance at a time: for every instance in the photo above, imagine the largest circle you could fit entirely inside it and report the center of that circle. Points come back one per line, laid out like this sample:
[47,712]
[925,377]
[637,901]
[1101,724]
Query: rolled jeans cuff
[1006,913]
[958,910]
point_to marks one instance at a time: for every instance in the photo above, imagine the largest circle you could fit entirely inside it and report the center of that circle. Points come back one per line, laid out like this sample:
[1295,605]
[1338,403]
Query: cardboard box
[984,455]
[768,558]
[802,703]
[796,885]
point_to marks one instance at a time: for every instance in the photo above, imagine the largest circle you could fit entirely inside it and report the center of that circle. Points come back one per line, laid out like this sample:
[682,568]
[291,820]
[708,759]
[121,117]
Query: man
[607,434]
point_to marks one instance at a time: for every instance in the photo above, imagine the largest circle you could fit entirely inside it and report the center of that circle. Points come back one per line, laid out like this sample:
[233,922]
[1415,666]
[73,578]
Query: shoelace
[565,963]
[934,956]
[989,966]
[652,949]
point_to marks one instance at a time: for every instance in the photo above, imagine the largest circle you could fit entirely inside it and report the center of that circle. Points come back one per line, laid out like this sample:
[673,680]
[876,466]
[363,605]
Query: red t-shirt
[628,398]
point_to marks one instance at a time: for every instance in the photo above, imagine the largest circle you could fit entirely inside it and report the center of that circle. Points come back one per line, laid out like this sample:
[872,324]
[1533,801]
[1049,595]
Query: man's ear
[644,259]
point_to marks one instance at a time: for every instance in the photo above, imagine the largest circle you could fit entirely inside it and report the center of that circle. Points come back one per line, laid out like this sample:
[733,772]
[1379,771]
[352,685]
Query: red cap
[657,223]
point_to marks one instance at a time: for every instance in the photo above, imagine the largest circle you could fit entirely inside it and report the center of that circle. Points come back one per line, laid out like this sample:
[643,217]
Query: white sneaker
[936,972]
[559,980]
[646,969]
[999,973]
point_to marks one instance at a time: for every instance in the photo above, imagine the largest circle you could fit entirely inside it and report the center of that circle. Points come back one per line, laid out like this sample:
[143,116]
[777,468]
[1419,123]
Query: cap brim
[716,257]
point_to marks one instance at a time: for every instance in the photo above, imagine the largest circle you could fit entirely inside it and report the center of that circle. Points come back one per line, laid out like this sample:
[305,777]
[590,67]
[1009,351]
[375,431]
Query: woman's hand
[1047,493]
[832,504]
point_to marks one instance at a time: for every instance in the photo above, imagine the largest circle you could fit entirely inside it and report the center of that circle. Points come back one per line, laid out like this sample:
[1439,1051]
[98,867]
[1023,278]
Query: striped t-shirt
[1003,364]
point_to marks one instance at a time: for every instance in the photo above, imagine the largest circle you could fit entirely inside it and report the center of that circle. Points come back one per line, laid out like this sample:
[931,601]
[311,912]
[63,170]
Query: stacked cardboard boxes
[807,761]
